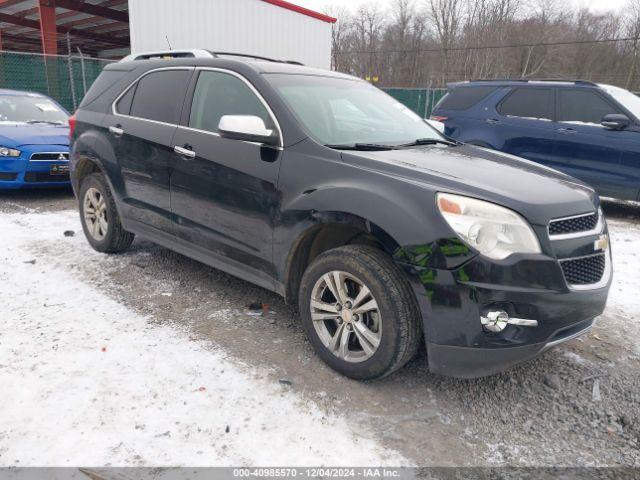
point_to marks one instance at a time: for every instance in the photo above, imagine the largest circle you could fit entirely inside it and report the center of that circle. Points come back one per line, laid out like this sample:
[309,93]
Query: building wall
[243,26]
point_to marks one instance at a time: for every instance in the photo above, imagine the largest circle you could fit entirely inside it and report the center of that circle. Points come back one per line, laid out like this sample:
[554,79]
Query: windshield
[627,99]
[338,111]
[30,109]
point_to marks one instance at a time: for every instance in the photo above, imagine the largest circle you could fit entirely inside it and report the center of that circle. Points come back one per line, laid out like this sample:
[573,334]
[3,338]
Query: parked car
[590,131]
[34,141]
[320,187]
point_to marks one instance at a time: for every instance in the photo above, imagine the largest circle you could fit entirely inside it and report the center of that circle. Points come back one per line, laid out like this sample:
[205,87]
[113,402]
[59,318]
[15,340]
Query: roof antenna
[167,38]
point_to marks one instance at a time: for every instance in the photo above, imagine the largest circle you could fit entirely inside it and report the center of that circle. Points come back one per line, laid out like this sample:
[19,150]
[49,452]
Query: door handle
[492,121]
[567,131]
[184,151]
[116,131]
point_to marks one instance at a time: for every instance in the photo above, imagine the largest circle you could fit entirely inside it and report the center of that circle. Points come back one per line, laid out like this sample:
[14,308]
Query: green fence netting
[65,79]
[420,100]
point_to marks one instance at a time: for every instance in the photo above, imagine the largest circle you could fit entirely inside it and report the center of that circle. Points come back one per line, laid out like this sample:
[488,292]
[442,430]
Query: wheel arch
[330,229]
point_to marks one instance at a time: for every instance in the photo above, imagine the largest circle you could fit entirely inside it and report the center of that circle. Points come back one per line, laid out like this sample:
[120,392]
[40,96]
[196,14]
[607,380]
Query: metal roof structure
[42,26]
[96,27]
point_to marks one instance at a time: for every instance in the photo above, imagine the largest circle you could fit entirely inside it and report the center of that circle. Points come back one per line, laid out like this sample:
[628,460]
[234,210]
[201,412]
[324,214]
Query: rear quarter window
[462,98]
[104,81]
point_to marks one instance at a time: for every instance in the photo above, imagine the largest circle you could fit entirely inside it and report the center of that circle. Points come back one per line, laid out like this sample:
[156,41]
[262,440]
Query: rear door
[522,124]
[591,152]
[224,194]
[141,127]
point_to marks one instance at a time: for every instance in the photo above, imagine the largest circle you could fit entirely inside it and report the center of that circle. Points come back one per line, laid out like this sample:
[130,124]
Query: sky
[320,5]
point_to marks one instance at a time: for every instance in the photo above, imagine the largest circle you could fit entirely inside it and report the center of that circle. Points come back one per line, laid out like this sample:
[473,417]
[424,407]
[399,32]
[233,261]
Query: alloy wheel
[95,213]
[346,316]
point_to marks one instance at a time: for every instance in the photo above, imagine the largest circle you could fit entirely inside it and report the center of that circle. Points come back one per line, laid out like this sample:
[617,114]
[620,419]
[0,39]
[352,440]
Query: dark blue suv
[590,131]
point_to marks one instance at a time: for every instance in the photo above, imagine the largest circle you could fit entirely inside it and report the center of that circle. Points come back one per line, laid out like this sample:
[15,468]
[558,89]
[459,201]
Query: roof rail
[563,80]
[198,53]
[187,53]
[256,57]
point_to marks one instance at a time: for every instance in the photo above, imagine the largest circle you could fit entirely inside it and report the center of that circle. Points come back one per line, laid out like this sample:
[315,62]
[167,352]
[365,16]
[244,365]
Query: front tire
[359,312]
[100,220]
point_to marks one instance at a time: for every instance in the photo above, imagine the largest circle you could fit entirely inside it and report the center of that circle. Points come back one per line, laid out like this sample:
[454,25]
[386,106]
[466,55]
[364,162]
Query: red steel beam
[96,10]
[8,3]
[48,31]
[34,24]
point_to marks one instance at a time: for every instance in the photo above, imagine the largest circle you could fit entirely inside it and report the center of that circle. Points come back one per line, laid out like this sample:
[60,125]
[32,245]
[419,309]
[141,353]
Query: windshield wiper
[48,122]
[361,146]
[429,141]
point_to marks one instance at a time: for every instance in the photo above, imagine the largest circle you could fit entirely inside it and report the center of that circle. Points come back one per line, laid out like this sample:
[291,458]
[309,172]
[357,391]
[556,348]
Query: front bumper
[470,362]
[23,172]
[452,302]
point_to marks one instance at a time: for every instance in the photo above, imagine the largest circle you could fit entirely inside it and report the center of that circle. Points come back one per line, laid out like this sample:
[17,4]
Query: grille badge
[602,243]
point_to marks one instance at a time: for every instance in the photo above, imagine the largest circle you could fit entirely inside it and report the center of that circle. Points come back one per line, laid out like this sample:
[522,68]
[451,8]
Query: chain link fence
[420,100]
[64,78]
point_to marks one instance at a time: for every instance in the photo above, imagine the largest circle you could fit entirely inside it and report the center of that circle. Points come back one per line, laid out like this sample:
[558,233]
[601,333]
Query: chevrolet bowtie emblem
[602,243]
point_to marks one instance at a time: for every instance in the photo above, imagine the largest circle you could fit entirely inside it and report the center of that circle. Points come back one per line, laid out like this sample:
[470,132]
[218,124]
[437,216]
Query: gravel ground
[577,405]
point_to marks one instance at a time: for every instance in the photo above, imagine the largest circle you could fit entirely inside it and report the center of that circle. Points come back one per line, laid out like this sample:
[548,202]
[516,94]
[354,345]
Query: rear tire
[99,217]
[382,327]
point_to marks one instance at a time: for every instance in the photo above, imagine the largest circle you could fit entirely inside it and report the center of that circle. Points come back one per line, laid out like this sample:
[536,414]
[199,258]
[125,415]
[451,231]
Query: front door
[224,194]
[592,152]
[140,131]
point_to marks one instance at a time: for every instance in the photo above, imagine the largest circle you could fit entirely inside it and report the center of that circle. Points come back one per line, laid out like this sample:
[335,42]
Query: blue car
[587,130]
[34,141]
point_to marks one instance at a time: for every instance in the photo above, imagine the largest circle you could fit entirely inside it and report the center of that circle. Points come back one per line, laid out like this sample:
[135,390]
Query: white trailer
[269,28]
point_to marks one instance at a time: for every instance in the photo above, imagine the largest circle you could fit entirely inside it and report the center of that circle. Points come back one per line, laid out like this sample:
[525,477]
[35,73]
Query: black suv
[320,187]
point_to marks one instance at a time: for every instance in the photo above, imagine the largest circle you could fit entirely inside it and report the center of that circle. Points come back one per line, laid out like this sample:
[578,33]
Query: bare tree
[632,29]
[432,42]
[339,34]
[446,16]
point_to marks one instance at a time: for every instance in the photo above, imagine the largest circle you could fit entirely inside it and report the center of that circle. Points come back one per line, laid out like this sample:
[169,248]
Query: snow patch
[86,381]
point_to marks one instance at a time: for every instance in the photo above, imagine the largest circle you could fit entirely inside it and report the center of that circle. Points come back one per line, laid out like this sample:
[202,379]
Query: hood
[536,192]
[14,135]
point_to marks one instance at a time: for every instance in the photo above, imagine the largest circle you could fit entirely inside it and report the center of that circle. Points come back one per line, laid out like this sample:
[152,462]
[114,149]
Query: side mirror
[439,126]
[615,121]
[246,127]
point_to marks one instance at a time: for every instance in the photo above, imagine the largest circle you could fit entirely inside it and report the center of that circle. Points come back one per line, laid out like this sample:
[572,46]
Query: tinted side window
[528,103]
[157,96]
[217,94]
[123,105]
[583,106]
[464,97]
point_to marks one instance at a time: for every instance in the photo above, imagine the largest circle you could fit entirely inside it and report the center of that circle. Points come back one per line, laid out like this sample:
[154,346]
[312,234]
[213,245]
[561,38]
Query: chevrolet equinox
[320,187]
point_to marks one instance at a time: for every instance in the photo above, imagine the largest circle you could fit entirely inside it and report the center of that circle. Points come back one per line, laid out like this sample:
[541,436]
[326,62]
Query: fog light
[497,320]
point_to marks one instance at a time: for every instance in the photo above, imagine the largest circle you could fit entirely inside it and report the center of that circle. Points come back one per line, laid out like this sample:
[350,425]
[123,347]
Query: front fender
[402,209]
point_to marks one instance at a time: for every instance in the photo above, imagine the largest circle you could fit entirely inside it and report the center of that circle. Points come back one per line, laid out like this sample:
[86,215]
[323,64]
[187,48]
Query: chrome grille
[577,224]
[584,270]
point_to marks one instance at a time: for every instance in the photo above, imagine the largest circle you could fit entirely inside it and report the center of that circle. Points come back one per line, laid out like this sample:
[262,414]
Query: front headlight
[9,152]
[494,231]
